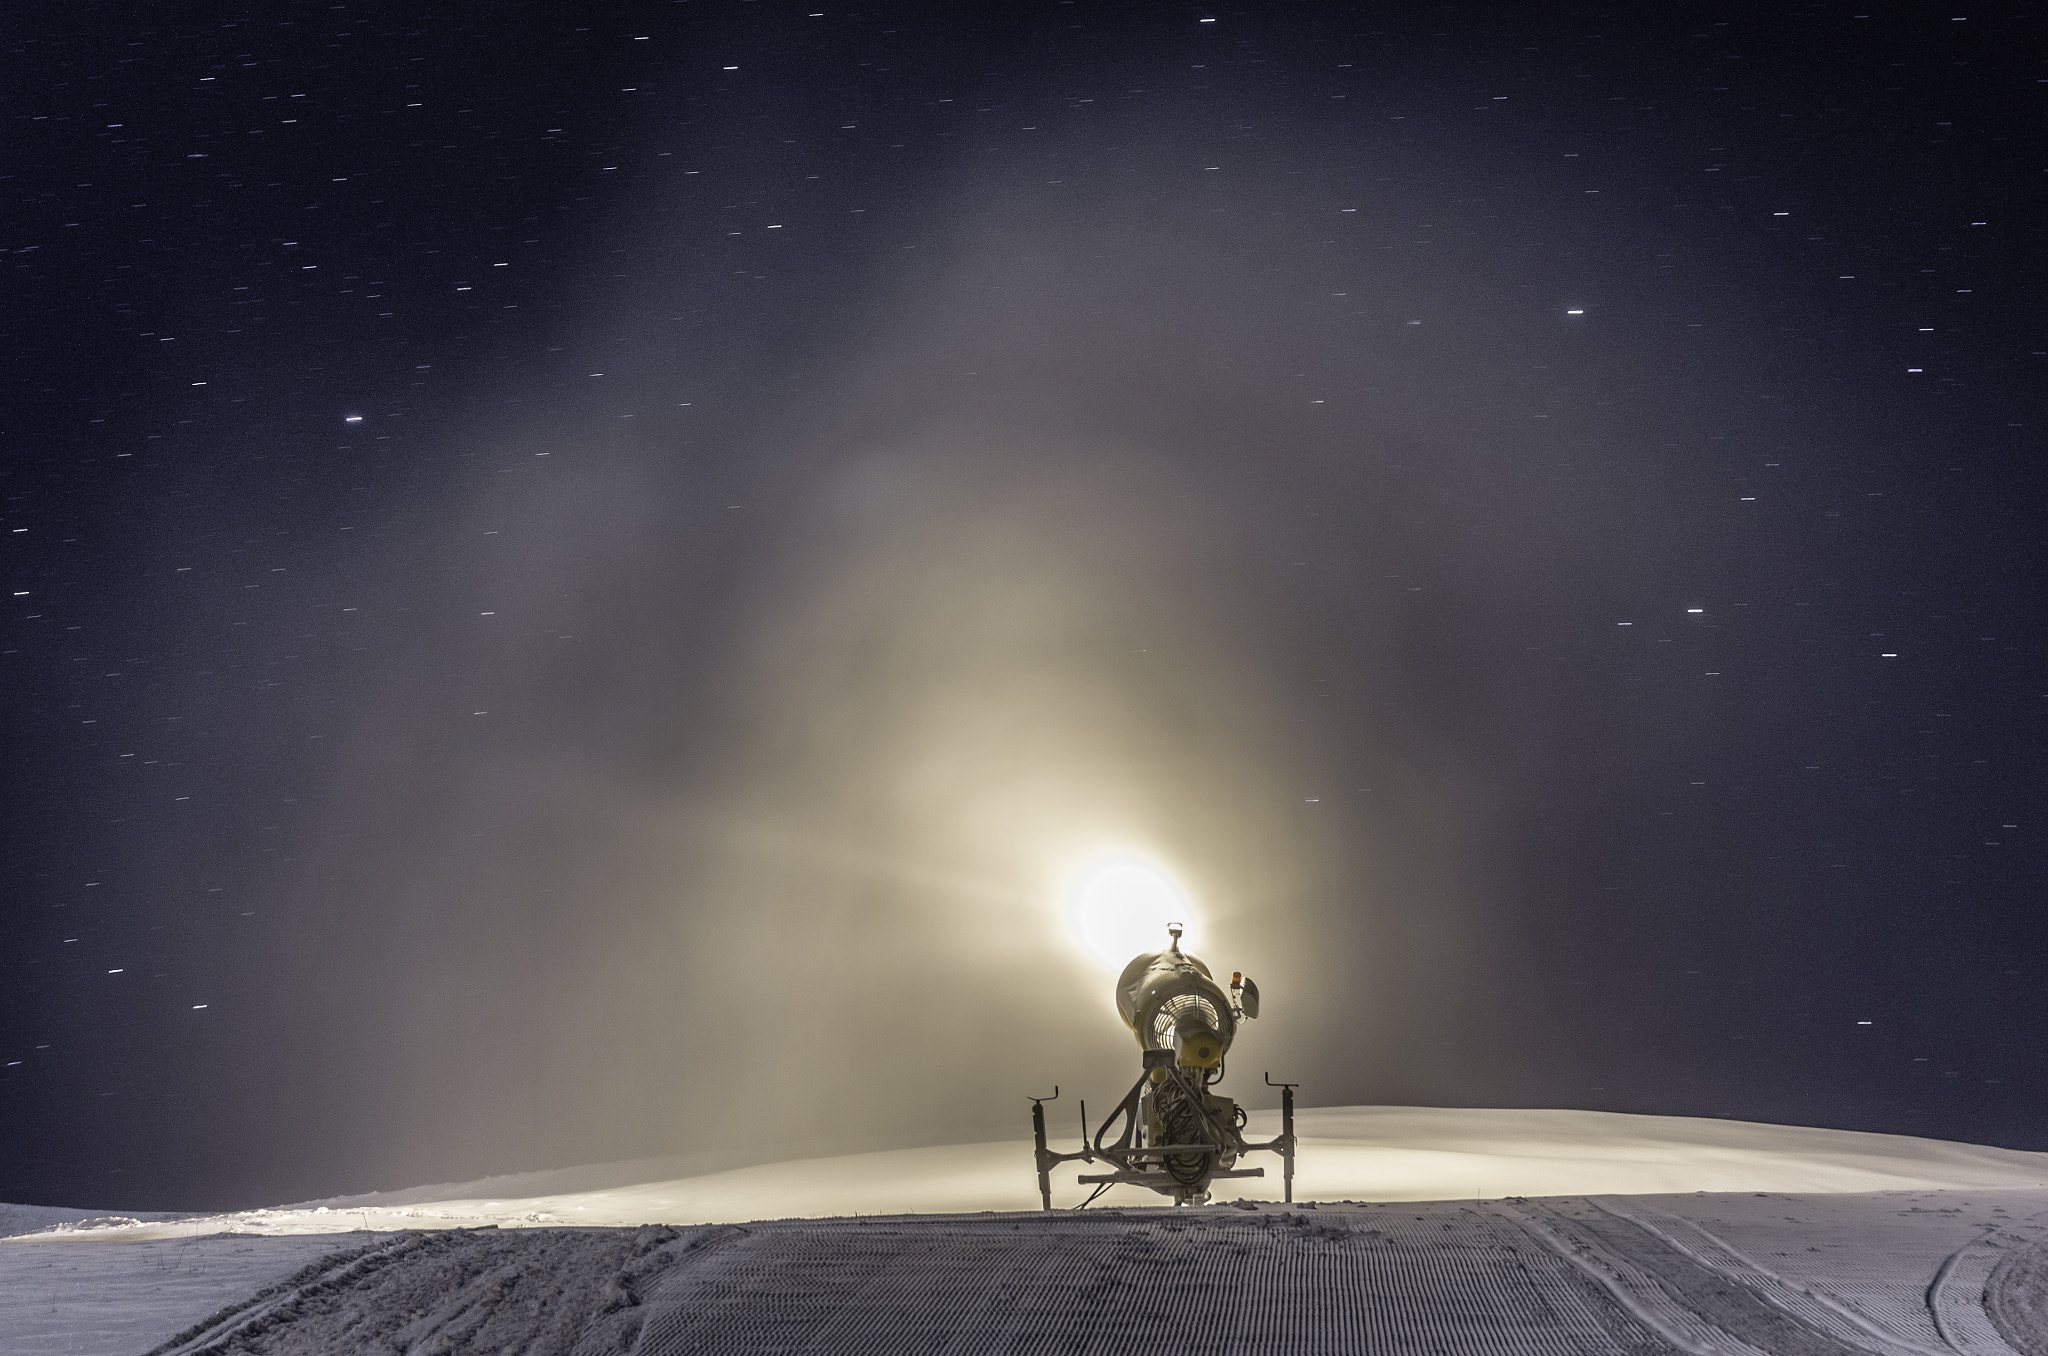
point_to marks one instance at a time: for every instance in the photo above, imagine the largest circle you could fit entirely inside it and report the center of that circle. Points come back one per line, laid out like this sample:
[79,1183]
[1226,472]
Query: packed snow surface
[1928,1273]
[1416,1230]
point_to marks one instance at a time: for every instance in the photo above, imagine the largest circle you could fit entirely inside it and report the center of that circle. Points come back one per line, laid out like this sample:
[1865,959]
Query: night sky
[579,573]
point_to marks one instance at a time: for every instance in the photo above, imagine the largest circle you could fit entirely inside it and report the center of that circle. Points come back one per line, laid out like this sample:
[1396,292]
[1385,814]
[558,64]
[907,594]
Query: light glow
[1119,906]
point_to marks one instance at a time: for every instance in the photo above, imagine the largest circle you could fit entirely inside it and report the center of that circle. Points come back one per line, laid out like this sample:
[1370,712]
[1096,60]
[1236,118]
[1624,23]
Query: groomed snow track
[1428,1279]
[1556,1277]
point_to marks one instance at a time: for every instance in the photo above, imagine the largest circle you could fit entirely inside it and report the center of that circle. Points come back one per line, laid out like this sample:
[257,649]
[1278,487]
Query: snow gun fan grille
[1184,1012]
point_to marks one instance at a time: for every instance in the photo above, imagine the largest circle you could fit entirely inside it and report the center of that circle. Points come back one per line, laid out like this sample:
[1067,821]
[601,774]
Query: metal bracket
[1286,1141]
[1043,1155]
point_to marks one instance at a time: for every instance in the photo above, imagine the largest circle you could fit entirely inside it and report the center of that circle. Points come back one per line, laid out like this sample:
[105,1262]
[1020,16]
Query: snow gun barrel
[1170,1001]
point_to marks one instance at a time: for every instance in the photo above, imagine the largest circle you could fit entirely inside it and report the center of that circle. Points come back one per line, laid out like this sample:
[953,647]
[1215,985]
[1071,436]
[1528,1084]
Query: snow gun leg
[1285,1144]
[1044,1155]
[1287,1132]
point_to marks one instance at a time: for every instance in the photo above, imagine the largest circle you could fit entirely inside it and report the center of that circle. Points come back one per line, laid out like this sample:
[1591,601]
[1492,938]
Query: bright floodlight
[1120,906]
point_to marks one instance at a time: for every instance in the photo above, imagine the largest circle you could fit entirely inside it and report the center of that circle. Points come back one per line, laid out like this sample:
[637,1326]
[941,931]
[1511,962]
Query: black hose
[1092,1195]
[1184,1125]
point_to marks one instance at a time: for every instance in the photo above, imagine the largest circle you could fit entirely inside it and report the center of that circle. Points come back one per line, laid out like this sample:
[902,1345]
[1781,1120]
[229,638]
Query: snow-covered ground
[1814,1242]
[1347,1153]
[122,1298]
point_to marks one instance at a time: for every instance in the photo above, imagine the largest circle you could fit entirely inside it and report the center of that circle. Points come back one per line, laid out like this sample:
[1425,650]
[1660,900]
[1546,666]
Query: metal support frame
[1143,1164]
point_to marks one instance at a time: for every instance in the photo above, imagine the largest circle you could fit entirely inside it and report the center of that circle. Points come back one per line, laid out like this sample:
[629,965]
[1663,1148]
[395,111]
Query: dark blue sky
[539,545]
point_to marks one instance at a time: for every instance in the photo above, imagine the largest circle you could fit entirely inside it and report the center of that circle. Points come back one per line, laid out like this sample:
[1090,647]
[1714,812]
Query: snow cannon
[1171,1132]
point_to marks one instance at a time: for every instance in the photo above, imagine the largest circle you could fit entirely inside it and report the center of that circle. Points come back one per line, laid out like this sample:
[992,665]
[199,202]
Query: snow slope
[1930,1273]
[1810,1242]
[1347,1153]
